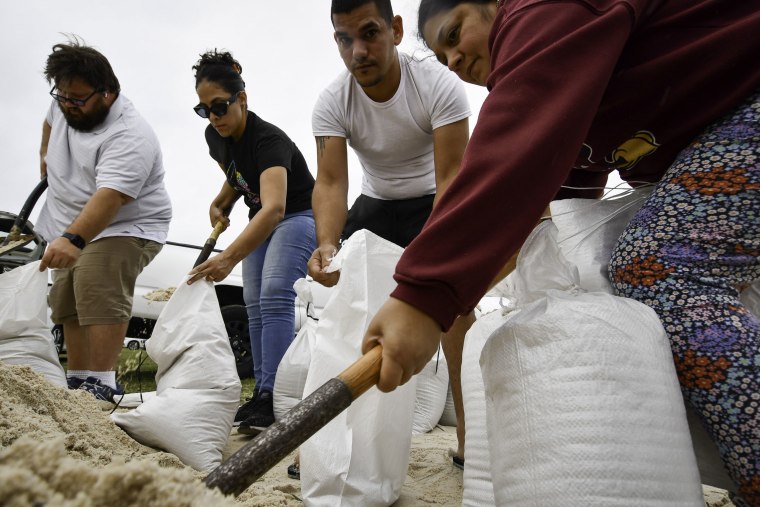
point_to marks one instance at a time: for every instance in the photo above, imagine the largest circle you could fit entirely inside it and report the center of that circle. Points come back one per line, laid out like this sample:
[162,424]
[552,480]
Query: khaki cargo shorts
[99,288]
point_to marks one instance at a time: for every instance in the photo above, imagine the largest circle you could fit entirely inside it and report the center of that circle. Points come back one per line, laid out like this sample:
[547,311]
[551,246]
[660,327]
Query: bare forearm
[98,213]
[226,197]
[258,229]
[43,147]
[330,211]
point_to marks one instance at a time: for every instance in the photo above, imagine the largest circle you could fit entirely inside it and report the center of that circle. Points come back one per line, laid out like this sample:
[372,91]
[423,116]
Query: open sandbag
[588,229]
[25,337]
[361,456]
[197,386]
[583,403]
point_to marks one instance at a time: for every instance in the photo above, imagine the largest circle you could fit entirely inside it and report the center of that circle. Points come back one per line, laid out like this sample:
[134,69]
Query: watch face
[76,239]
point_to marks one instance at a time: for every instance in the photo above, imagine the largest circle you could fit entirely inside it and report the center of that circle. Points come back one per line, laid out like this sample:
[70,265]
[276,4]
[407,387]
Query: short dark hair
[221,68]
[75,60]
[345,6]
[430,8]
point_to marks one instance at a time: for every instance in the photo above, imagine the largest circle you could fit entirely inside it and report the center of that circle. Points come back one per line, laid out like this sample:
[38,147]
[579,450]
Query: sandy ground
[60,448]
[431,478]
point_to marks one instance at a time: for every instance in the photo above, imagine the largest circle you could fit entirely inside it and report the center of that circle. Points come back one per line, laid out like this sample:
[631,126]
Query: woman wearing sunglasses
[261,164]
[664,92]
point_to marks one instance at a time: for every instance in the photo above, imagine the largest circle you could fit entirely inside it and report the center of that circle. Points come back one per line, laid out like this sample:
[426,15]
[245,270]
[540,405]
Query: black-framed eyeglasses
[218,108]
[77,102]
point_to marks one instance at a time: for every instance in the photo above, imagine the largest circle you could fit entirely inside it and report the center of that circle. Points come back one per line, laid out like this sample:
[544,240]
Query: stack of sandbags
[25,337]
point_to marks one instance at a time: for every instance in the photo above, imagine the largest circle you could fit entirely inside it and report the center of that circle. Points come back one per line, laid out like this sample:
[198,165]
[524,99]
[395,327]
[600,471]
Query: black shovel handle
[208,247]
[26,210]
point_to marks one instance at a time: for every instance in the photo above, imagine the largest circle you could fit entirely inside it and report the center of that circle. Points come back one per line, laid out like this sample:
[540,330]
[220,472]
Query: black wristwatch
[76,239]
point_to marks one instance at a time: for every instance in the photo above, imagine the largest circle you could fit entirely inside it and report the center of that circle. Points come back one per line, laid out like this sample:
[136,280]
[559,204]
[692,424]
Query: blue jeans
[268,276]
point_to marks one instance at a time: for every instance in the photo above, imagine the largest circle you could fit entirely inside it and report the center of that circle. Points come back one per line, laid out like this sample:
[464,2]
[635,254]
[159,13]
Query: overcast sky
[285,47]
[286,50]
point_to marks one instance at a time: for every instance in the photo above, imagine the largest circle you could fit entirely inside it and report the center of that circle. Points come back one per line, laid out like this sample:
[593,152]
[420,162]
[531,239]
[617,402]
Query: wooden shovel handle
[270,446]
[364,372]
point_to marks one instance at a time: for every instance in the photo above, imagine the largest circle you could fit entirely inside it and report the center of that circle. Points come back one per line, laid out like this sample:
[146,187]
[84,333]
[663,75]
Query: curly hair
[75,60]
[220,68]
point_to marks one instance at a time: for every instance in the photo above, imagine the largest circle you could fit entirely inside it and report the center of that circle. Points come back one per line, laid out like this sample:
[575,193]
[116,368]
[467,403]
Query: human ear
[398,29]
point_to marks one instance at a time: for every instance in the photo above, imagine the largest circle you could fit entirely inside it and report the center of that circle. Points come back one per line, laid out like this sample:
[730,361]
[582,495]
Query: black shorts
[396,221]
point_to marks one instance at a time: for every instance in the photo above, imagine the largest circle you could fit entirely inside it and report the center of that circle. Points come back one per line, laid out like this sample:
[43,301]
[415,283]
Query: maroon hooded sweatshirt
[578,88]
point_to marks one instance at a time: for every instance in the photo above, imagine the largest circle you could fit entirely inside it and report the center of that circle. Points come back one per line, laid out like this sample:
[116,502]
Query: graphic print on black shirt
[236,181]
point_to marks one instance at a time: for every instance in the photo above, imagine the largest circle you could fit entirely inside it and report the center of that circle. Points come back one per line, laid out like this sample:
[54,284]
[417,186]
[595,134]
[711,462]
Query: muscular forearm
[98,213]
[330,211]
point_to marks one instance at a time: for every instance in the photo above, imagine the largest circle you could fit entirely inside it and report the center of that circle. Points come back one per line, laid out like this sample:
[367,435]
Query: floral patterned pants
[687,253]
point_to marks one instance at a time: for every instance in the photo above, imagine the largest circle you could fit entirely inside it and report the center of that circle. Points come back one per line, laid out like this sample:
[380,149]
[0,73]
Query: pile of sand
[59,447]
[160,294]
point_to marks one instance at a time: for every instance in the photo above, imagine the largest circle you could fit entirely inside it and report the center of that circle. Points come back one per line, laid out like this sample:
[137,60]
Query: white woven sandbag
[478,486]
[449,414]
[431,393]
[197,386]
[361,456]
[25,337]
[750,297]
[588,229]
[583,403]
[293,368]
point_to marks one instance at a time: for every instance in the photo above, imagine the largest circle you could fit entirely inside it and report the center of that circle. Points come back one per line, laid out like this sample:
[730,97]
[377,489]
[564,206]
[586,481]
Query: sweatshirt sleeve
[551,62]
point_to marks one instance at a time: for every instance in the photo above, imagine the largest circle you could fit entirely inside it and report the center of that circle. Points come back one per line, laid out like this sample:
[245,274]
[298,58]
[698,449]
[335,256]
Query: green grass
[137,373]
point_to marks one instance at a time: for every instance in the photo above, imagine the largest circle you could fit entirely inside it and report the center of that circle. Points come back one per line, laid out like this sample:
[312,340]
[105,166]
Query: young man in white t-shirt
[407,121]
[106,214]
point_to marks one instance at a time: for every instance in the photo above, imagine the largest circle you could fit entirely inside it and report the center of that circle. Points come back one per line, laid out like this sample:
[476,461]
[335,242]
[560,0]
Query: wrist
[75,239]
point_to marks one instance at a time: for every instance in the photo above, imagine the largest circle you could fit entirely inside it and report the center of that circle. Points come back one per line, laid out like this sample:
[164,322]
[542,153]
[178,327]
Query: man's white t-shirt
[394,139]
[122,154]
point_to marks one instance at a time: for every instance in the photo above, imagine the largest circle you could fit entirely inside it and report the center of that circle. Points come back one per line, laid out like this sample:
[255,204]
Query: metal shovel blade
[15,243]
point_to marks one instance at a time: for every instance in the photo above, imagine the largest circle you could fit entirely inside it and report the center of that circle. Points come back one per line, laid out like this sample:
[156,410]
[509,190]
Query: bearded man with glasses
[107,211]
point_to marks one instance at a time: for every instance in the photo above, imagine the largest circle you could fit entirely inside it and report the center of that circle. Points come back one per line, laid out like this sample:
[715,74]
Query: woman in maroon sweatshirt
[660,91]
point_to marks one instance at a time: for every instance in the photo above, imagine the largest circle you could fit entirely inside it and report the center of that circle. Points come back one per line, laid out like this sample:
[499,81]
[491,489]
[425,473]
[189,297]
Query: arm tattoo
[321,142]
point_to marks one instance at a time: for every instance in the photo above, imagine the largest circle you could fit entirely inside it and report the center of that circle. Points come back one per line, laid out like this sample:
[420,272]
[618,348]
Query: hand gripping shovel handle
[26,209]
[208,247]
[269,447]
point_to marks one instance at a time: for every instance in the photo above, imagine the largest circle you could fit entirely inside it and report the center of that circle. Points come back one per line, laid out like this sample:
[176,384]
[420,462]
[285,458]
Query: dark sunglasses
[76,102]
[218,108]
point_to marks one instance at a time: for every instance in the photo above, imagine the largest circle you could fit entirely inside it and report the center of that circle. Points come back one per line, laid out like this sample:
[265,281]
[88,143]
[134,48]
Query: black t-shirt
[261,146]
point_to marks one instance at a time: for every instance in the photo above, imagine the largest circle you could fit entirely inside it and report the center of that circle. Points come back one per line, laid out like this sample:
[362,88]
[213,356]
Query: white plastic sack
[361,456]
[293,368]
[478,487]
[25,337]
[431,393]
[588,229]
[751,298]
[197,386]
[583,402]
[449,414]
